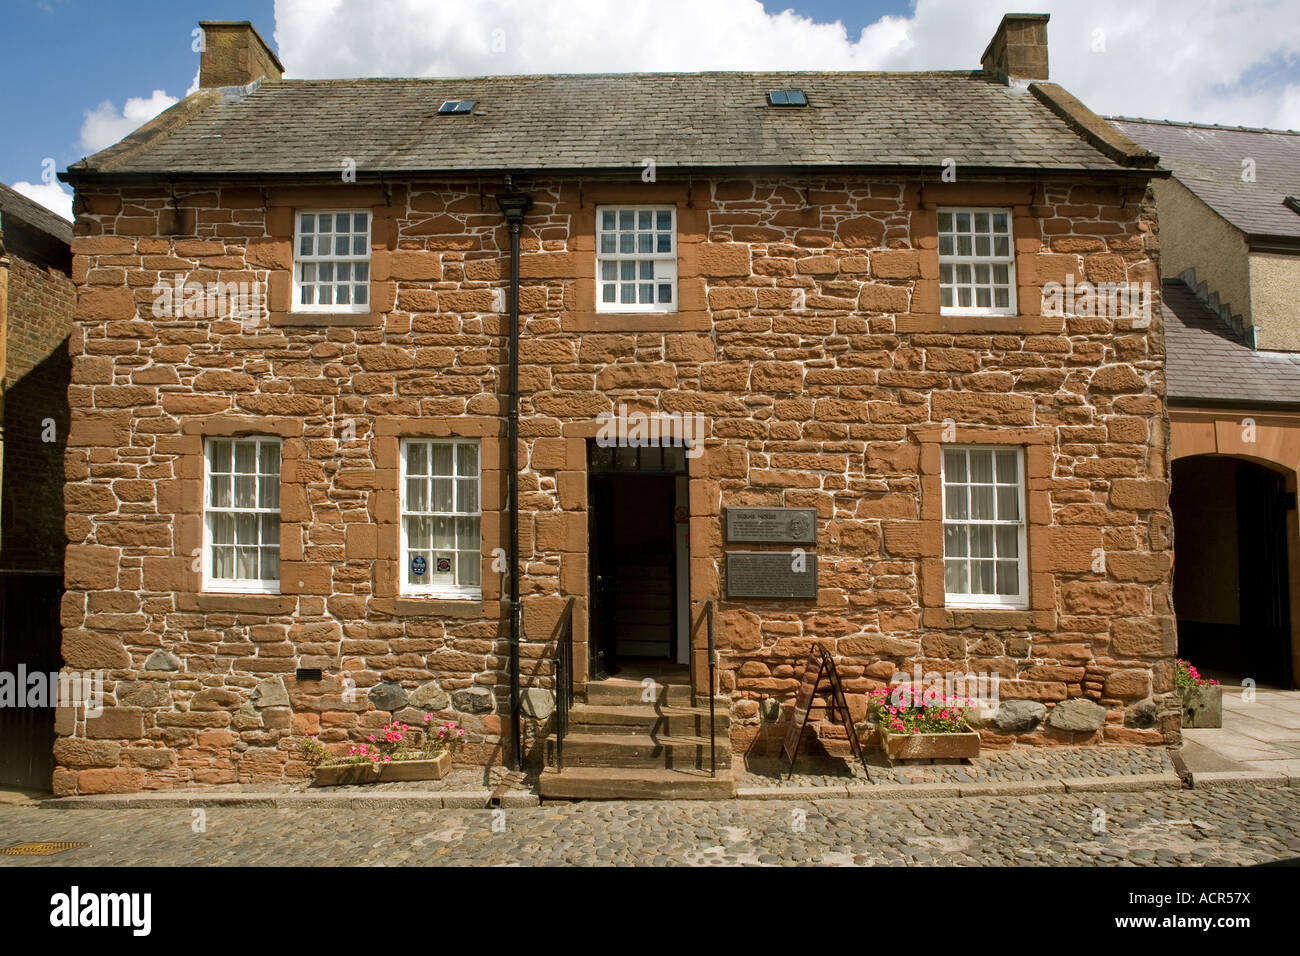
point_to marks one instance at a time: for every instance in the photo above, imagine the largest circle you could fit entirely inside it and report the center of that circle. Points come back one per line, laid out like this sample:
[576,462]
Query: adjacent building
[335,339]
[37,294]
[1230,253]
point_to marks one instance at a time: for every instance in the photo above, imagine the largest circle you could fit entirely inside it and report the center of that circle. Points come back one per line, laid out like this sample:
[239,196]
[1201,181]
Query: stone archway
[1234,566]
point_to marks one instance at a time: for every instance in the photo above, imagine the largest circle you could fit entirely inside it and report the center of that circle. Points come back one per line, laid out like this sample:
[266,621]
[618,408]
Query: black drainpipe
[513,206]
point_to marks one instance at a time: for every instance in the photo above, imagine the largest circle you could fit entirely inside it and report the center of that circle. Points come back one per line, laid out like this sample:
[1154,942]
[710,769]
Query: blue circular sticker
[419,565]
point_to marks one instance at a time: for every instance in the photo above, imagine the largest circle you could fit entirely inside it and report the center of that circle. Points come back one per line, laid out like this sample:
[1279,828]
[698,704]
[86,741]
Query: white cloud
[49,195]
[104,125]
[1221,61]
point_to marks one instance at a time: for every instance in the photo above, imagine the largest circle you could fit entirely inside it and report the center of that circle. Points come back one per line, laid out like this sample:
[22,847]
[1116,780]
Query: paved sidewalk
[1261,736]
[1160,828]
[1023,770]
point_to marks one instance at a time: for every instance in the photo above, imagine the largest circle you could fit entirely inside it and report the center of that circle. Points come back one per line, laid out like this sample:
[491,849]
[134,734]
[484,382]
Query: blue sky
[79,74]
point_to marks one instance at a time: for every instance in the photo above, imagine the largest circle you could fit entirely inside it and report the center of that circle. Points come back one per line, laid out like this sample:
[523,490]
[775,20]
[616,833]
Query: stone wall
[39,303]
[808,336]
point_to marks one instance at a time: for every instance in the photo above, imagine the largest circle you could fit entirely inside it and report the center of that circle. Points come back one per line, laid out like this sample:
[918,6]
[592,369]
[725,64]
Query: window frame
[967,600]
[973,260]
[296,304]
[405,589]
[213,585]
[668,257]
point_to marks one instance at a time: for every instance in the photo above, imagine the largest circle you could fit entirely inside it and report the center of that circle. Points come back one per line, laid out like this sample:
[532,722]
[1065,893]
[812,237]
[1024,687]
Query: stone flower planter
[354,773]
[1202,705]
[930,746]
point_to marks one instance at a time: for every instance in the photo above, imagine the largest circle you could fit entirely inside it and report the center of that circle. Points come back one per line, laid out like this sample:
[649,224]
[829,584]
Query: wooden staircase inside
[621,746]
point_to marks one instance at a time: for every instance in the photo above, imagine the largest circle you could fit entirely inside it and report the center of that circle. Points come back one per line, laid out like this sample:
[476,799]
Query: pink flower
[362,751]
[372,738]
[428,717]
[387,758]
[460,733]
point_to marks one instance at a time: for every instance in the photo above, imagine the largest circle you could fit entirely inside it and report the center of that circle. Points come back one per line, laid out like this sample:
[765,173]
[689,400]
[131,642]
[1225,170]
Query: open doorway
[638,559]
[1231,568]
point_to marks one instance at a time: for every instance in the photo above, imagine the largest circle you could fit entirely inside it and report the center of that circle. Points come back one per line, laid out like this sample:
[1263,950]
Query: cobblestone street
[1165,828]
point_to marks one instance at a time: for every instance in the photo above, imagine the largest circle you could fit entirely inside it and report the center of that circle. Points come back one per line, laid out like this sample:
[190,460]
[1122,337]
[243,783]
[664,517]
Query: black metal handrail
[713,660]
[563,680]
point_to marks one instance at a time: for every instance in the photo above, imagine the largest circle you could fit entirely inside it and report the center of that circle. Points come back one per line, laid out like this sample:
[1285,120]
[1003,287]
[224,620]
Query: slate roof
[606,121]
[1207,160]
[14,205]
[1205,362]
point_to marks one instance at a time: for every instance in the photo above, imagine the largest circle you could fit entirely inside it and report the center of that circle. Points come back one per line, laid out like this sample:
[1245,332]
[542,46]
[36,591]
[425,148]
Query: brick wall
[40,301]
[808,337]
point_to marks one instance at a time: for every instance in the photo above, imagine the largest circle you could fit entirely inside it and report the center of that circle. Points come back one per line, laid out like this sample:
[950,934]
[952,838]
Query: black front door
[633,555]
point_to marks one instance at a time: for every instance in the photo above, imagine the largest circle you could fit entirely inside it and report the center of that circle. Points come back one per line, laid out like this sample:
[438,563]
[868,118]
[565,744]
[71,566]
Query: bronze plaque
[771,574]
[782,525]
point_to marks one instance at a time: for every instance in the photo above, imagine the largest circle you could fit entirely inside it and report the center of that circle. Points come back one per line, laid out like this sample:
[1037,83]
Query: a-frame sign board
[820,663]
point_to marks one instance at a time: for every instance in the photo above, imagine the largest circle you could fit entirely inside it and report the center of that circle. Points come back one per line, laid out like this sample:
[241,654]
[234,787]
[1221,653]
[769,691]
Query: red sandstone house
[296,518]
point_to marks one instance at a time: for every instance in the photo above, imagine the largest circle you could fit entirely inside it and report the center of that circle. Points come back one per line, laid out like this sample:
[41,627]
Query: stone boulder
[270,693]
[472,700]
[1019,716]
[387,695]
[1141,716]
[537,703]
[429,697]
[1077,716]
[162,661]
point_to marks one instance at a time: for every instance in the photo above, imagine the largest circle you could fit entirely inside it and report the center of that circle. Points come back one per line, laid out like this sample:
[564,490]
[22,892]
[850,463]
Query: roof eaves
[150,134]
[1025,171]
[14,205]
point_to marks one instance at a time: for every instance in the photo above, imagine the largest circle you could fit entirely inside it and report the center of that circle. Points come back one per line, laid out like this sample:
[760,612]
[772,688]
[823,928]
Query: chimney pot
[1018,50]
[234,54]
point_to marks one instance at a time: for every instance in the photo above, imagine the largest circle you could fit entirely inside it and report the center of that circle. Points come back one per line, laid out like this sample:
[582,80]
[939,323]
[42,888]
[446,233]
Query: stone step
[617,690]
[637,750]
[646,719]
[626,783]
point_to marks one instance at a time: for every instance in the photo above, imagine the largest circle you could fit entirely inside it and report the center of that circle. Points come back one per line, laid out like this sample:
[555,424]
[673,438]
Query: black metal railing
[713,660]
[563,680]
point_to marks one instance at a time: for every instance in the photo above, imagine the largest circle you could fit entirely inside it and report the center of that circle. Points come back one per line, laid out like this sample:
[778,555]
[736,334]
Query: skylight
[456,106]
[786,98]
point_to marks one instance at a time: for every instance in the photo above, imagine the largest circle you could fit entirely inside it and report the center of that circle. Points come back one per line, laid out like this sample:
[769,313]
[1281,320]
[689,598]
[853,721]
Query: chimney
[1018,51]
[234,54]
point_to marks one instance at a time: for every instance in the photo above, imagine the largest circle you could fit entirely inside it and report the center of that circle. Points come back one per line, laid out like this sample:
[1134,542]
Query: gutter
[81,174]
[514,205]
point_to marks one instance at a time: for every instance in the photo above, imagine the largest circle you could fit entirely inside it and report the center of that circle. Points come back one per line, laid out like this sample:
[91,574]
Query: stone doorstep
[1123,783]
[447,799]
[1205,780]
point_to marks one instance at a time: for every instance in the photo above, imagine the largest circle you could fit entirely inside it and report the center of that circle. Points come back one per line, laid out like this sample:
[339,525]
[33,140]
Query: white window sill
[223,587]
[971,605]
[442,595]
[985,313]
